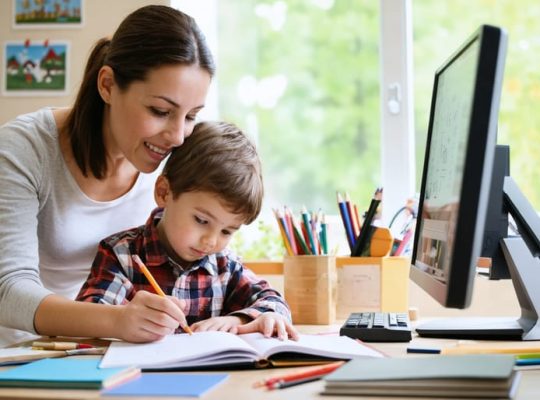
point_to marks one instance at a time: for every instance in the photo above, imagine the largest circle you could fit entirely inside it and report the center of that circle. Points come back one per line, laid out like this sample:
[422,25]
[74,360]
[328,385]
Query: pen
[423,350]
[154,284]
[283,385]
[60,346]
[527,361]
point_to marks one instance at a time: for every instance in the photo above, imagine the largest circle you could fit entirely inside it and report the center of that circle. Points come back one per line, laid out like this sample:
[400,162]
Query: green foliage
[268,247]
[322,135]
[440,27]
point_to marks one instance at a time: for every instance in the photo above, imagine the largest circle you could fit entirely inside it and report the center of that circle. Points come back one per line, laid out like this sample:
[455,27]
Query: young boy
[209,187]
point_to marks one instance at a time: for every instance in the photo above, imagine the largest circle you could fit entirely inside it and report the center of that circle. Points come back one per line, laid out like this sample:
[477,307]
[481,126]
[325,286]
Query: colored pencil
[305,218]
[286,239]
[350,210]
[154,284]
[304,373]
[346,220]
[323,234]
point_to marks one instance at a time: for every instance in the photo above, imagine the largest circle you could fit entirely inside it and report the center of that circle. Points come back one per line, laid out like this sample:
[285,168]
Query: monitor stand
[521,254]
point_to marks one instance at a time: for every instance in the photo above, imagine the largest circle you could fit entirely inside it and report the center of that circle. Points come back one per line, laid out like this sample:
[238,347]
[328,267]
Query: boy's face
[194,224]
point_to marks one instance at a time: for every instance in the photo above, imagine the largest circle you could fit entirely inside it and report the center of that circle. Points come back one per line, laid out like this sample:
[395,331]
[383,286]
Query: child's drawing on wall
[35,67]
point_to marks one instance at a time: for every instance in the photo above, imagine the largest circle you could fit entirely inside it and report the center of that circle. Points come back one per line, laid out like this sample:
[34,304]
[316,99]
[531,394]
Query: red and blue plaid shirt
[216,285]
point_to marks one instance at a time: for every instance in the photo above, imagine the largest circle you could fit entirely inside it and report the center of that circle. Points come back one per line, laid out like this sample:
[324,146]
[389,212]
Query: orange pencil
[154,284]
[305,373]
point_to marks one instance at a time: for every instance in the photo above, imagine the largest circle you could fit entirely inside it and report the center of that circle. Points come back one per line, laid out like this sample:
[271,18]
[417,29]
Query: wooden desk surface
[239,384]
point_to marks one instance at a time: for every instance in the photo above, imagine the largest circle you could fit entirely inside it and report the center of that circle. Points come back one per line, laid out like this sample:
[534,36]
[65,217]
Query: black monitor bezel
[457,291]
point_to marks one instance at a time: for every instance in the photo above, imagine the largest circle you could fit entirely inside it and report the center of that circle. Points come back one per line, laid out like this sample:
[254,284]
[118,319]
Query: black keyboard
[378,327]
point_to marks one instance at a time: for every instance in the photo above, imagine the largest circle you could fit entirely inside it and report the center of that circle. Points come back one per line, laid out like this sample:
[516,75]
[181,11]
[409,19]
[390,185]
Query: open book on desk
[222,349]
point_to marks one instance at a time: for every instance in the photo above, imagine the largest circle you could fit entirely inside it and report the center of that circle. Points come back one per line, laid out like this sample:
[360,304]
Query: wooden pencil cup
[310,288]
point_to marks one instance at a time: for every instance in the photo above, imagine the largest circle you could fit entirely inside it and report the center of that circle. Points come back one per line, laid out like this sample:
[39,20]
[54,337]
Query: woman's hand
[149,317]
[270,324]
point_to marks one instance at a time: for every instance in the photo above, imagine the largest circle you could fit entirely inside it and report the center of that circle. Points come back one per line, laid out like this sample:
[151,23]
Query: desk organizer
[310,284]
[372,284]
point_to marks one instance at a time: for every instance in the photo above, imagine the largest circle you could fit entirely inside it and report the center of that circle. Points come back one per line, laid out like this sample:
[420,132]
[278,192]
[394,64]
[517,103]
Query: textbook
[478,376]
[223,349]
[68,373]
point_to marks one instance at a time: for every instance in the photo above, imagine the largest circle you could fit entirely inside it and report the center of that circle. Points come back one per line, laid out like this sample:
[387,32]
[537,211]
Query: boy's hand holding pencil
[172,306]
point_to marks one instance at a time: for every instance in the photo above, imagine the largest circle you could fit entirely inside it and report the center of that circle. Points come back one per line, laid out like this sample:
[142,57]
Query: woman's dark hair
[148,38]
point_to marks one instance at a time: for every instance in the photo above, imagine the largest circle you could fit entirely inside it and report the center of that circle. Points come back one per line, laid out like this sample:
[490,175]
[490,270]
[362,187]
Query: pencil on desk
[60,346]
[489,349]
[303,374]
[154,284]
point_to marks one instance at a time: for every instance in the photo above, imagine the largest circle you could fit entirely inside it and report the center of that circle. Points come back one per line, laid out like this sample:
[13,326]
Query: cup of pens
[310,283]
[309,273]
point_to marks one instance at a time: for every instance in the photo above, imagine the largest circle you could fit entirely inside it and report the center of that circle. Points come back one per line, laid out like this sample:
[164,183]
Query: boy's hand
[270,324]
[148,317]
[224,324]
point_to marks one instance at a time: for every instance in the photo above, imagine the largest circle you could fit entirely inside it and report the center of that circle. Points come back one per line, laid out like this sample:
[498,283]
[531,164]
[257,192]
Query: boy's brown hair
[218,158]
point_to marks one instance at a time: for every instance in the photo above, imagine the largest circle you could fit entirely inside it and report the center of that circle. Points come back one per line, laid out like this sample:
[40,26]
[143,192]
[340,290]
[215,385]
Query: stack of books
[471,376]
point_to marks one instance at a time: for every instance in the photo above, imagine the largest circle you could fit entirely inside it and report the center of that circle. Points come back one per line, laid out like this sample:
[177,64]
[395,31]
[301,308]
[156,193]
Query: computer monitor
[458,185]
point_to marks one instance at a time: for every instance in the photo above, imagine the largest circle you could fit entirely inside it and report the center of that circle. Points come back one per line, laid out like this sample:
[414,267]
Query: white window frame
[398,170]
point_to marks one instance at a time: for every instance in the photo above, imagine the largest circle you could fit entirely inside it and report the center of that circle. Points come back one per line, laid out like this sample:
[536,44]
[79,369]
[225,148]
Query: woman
[70,177]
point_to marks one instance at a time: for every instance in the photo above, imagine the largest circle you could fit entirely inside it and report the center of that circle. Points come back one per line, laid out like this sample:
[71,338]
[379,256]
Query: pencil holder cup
[372,284]
[310,288]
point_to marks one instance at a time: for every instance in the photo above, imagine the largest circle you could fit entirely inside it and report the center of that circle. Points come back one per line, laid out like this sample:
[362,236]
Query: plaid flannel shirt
[216,285]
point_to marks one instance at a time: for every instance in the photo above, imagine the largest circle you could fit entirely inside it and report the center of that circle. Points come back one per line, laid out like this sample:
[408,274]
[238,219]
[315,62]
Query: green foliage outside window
[440,27]
[302,77]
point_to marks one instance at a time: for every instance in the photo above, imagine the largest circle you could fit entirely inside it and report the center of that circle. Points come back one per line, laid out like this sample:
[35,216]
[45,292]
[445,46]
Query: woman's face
[144,122]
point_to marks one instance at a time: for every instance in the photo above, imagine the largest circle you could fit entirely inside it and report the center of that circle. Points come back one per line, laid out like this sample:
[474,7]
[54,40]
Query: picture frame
[35,68]
[43,14]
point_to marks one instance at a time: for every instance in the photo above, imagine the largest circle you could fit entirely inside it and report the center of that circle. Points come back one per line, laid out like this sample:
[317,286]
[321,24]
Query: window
[438,22]
[302,78]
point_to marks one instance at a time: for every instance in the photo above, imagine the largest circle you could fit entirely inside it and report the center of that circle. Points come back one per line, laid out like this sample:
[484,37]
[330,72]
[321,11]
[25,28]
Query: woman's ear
[162,190]
[105,83]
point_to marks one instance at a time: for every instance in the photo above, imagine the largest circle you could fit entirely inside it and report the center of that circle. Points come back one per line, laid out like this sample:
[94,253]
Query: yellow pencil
[154,284]
[489,349]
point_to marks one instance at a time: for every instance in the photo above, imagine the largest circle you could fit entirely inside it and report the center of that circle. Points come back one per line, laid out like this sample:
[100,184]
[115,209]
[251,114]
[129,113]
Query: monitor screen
[457,168]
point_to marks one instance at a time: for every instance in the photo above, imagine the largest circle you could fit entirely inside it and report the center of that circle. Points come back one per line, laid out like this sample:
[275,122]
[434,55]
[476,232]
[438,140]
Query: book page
[334,346]
[176,350]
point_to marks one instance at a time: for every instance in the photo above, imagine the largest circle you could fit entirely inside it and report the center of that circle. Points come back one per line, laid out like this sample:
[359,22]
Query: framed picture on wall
[35,68]
[43,14]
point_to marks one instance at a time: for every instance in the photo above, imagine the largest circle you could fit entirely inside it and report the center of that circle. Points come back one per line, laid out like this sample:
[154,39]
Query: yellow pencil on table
[489,348]
[154,284]
[60,346]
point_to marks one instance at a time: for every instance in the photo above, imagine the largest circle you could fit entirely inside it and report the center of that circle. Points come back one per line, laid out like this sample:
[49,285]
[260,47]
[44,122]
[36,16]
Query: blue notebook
[66,373]
[168,384]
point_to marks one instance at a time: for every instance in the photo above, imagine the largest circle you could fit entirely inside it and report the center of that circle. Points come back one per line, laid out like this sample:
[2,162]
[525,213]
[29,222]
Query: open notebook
[213,349]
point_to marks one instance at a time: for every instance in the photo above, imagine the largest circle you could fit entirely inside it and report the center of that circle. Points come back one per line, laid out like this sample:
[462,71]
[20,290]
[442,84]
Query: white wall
[101,18]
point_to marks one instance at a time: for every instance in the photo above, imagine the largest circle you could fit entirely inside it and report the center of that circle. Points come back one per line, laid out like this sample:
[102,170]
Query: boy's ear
[105,83]
[161,191]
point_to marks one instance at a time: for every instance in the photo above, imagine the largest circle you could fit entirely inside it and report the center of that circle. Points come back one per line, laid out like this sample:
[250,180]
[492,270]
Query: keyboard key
[378,327]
